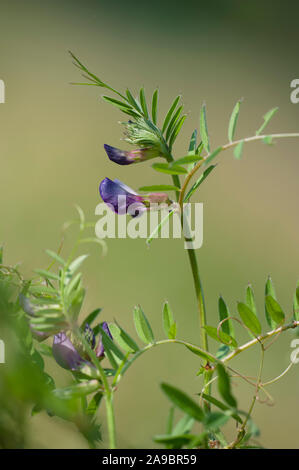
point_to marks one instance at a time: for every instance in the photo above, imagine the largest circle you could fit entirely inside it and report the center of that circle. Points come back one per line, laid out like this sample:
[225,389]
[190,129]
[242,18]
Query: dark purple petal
[100,347]
[119,196]
[118,156]
[65,353]
[123,157]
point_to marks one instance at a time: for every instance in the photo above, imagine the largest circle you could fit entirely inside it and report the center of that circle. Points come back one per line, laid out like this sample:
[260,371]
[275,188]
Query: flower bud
[123,157]
[65,353]
[100,350]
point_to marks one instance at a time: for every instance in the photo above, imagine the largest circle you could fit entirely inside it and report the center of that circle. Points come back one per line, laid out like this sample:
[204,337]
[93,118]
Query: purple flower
[123,157]
[64,352]
[100,347]
[123,200]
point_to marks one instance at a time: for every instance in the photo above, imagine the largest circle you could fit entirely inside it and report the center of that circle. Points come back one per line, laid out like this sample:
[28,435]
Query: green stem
[198,287]
[111,421]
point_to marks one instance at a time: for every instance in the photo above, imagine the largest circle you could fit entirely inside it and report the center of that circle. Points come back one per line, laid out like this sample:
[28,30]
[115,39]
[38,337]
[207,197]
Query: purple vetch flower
[123,157]
[120,197]
[65,353]
[100,350]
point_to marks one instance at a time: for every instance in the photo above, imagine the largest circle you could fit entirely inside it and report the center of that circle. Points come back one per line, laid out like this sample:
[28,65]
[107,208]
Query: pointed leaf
[220,336]
[94,404]
[76,263]
[91,317]
[233,121]
[183,401]
[193,142]
[224,386]
[142,326]
[204,129]
[249,319]
[176,130]
[227,326]
[154,106]
[170,170]
[274,310]
[296,303]
[159,187]
[122,338]
[187,159]
[170,112]
[220,405]
[132,101]
[211,157]
[250,301]
[238,150]
[269,290]
[173,122]
[168,320]
[56,257]
[143,102]
[200,180]
[267,118]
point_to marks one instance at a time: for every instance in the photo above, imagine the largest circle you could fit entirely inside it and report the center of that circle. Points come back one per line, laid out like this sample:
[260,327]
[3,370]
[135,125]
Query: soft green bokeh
[52,156]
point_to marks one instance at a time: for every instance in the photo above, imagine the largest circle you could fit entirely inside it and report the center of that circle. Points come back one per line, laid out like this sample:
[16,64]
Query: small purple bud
[100,347]
[123,157]
[65,353]
[89,335]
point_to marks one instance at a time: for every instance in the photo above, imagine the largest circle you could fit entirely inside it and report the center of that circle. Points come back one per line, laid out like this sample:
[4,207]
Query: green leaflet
[204,128]
[267,118]
[170,170]
[198,182]
[158,188]
[143,103]
[183,401]
[227,325]
[142,326]
[238,150]
[170,112]
[233,121]
[249,319]
[169,324]
[274,310]
[224,386]
[155,106]
[269,290]
[220,336]
[296,303]
[122,338]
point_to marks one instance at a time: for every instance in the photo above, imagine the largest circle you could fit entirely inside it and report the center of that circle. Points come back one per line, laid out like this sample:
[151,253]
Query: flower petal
[64,352]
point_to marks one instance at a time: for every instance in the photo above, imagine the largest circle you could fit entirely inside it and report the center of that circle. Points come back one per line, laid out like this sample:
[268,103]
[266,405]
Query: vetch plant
[98,355]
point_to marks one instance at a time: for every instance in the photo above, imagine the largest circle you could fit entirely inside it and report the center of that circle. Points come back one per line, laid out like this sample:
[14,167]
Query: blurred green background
[52,156]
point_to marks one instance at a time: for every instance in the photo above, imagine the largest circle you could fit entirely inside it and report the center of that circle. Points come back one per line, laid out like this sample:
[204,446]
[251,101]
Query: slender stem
[111,420]
[226,147]
[199,297]
[258,382]
[196,280]
[260,338]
